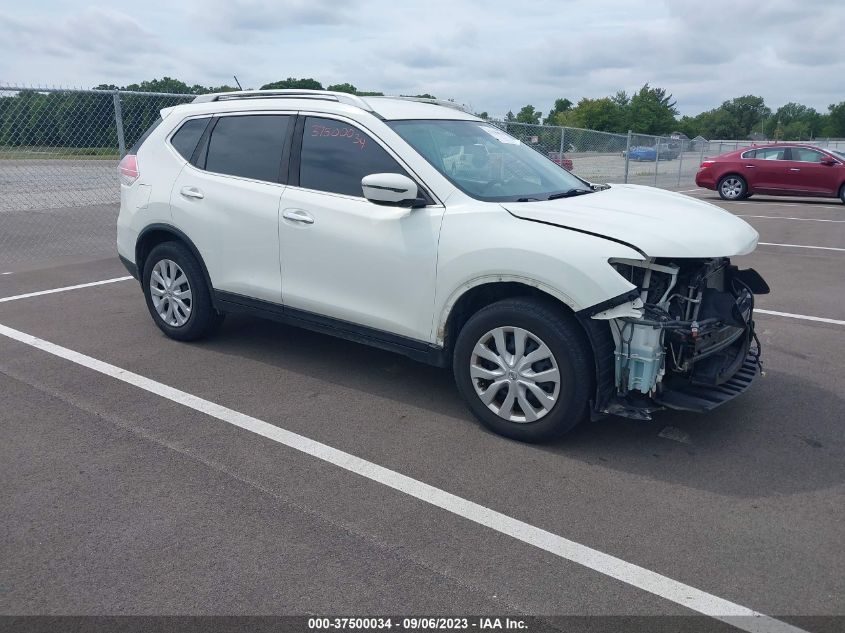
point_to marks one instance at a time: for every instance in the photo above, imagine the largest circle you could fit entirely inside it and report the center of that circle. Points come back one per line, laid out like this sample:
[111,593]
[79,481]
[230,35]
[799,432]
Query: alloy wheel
[732,188]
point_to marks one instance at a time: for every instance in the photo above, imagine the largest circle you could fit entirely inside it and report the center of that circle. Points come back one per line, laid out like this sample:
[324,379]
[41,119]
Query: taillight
[128,168]
[707,163]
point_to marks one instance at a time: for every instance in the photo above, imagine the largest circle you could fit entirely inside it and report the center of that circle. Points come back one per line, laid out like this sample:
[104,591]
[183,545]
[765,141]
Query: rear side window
[248,146]
[336,156]
[772,153]
[186,139]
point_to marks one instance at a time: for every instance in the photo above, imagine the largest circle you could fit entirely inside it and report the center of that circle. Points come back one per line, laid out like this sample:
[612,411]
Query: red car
[561,159]
[776,170]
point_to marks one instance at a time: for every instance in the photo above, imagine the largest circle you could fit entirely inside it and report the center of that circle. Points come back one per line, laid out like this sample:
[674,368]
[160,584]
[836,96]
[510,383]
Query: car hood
[657,222]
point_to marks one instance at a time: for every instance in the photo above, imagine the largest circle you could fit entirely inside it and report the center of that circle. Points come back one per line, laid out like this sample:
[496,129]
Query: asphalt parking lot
[167,491]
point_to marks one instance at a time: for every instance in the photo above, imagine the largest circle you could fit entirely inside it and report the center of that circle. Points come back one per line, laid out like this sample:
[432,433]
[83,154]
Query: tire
[544,325]
[177,296]
[842,193]
[732,187]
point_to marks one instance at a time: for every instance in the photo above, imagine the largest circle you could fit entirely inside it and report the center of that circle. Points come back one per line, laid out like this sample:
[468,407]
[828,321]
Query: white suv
[552,299]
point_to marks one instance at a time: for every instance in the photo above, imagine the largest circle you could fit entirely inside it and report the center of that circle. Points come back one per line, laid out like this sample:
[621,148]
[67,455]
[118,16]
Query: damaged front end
[683,340]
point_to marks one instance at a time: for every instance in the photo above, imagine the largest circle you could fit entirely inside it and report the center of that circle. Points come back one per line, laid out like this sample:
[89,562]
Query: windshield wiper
[527,199]
[569,194]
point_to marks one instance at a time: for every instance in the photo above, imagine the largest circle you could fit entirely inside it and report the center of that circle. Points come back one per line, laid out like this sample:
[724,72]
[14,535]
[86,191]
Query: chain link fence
[59,150]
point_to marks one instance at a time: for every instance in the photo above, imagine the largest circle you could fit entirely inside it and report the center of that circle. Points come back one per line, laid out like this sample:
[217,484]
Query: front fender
[481,244]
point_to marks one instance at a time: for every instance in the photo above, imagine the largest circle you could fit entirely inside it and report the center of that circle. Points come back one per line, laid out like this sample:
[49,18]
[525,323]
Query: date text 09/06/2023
[417,623]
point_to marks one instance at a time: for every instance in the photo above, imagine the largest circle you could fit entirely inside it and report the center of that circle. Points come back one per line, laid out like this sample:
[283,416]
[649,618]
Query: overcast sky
[493,55]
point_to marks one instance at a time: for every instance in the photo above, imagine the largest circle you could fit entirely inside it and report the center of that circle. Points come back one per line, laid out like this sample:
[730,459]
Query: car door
[343,256]
[764,168]
[226,200]
[807,175]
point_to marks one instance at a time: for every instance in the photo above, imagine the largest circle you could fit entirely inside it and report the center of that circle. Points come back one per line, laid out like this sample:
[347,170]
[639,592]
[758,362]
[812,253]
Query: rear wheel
[733,187]
[177,296]
[524,369]
[842,193]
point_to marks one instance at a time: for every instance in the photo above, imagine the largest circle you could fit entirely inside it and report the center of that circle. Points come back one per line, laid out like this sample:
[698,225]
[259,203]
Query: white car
[552,299]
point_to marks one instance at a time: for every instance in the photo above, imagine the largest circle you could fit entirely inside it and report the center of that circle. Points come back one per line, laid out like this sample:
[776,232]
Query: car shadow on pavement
[782,437]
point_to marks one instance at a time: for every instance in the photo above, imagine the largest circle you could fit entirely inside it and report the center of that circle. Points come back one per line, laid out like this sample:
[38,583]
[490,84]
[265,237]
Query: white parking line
[777,217]
[639,577]
[64,289]
[9,273]
[822,248]
[799,316]
[689,190]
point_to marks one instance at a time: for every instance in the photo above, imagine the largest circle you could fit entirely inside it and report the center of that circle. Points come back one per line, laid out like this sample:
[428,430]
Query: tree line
[653,111]
[86,120]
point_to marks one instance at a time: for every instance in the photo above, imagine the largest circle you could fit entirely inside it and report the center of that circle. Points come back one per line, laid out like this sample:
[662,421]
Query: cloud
[495,55]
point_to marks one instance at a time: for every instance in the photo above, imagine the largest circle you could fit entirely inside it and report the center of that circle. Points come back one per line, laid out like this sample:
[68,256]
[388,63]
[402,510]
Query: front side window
[336,156]
[487,163]
[248,146]
[186,138]
[805,155]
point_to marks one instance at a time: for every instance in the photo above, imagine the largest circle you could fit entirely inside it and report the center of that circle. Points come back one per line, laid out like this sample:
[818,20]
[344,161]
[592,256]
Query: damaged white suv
[424,230]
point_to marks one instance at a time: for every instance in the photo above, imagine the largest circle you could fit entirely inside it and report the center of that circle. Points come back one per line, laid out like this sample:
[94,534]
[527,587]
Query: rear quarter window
[186,138]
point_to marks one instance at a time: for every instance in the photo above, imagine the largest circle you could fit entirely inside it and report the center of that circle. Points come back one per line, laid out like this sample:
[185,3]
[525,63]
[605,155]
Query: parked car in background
[561,159]
[778,170]
[663,151]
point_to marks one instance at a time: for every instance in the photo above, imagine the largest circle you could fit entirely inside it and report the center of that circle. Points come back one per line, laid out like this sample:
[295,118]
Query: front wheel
[733,188]
[524,368]
[177,296]
[842,193]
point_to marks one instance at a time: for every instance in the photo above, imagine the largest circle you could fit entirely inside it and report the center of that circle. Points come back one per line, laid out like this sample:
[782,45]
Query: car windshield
[487,163]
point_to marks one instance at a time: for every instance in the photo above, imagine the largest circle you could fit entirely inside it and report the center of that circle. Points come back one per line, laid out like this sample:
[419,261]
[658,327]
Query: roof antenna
[237,82]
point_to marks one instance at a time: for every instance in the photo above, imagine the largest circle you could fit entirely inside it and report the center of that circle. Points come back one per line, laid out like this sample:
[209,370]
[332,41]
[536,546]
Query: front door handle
[794,169]
[751,166]
[192,192]
[300,216]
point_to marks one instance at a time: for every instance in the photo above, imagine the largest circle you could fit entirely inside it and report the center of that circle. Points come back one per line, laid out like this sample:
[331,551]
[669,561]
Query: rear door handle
[751,166]
[192,192]
[300,216]
[794,169]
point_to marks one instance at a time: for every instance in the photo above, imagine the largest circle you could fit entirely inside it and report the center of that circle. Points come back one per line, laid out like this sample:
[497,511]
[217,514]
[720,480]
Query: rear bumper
[705,179]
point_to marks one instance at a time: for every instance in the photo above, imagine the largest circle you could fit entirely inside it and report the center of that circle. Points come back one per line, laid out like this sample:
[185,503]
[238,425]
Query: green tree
[834,124]
[346,87]
[561,105]
[594,114]
[165,84]
[749,112]
[528,114]
[290,82]
[794,122]
[652,111]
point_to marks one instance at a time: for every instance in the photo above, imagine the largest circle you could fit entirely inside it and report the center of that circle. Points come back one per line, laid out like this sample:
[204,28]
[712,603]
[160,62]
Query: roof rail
[287,93]
[440,102]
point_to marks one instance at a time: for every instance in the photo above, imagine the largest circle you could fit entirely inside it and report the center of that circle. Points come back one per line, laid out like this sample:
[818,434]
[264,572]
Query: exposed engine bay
[685,338]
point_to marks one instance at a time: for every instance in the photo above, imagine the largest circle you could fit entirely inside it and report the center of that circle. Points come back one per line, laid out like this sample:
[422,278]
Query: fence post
[627,155]
[118,120]
[680,161]
[656,157]
[701,158]
[562,136]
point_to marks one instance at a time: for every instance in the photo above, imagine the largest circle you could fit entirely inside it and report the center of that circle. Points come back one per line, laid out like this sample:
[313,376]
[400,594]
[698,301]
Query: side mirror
[828,161]
[391,189]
